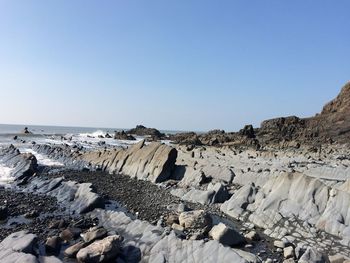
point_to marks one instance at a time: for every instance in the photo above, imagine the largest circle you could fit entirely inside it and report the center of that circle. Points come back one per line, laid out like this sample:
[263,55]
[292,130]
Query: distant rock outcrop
[332,124]
[26,131]
[122,135]
[144,131]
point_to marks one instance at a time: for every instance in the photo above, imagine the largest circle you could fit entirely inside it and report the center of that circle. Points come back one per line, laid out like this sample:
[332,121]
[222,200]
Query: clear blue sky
[184,64]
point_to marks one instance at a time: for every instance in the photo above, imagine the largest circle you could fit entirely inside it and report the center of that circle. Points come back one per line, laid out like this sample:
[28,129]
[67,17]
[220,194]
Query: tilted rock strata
[154,162]
[153,245]
[24,165]
[293,195]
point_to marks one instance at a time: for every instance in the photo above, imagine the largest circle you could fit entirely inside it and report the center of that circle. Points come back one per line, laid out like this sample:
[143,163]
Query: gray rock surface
[80,198]
[20,242]
[24,164]
[153,245]
[18,248]
[154,162]
[9,256]
[311,255]
[173,249]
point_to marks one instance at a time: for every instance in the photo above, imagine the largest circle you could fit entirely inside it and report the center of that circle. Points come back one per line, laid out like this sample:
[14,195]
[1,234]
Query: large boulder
[101,251]
[197,219]
[226,235]
[94,233]
[141,130]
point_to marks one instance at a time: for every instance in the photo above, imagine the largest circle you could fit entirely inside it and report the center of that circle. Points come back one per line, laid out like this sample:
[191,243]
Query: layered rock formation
[154,162]
[23,165]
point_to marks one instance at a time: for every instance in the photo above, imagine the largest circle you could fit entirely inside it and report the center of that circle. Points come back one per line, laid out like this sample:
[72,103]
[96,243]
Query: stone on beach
[101,251]
[226,235]
[198,219]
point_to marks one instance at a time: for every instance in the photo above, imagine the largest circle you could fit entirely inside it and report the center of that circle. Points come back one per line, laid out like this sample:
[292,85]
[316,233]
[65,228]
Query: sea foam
[5,175]
[42,159]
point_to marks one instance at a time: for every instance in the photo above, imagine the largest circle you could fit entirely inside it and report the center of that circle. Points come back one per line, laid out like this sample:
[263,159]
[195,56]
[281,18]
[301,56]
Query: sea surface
[60,130]
[60,134]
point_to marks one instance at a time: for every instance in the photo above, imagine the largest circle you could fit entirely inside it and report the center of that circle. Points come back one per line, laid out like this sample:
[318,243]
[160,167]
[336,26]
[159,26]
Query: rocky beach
[275,193]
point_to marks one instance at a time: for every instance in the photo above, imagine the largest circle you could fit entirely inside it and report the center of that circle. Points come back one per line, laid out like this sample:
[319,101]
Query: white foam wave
[42,159]
[5,175]
[95,134]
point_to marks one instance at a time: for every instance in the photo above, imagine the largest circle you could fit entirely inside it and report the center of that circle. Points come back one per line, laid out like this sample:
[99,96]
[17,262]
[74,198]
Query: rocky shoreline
[279,193]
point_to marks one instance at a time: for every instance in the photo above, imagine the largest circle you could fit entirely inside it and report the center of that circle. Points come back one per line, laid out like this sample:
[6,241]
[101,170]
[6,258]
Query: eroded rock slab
[154,162]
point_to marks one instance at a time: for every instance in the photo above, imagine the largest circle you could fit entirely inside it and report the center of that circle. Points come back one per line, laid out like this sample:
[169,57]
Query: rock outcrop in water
[122,135]
[141,130]
[26,131]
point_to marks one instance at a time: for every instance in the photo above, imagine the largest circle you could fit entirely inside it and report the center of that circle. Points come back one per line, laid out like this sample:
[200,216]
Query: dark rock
[3,212]
[141,130]
[70,233]
[248,131]
[190,139]
[123,136]
[26,131]
[32,214]
[53,245]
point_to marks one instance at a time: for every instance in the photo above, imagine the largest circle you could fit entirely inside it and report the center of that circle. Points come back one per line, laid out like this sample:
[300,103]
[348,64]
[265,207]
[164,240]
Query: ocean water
[5,175]
[62,130]
[11,129]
